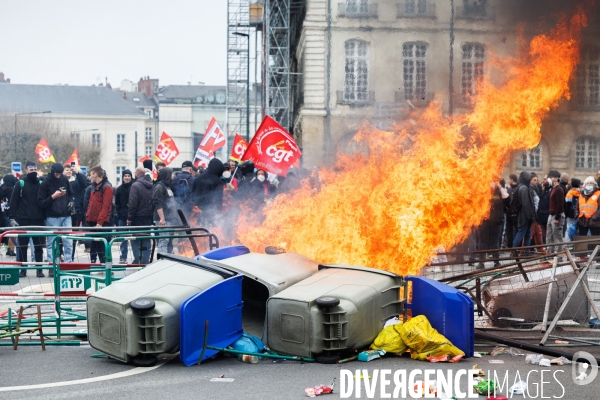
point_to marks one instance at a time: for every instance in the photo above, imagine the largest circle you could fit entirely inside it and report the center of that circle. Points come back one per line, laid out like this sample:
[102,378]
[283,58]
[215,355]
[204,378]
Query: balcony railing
[411,10]
[347,100]
[475,12]
[355,12]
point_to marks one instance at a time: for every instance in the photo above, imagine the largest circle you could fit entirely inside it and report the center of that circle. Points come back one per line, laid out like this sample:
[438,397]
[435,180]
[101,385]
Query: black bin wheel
[327,301]
[142,304]
[144,360]
[328,358]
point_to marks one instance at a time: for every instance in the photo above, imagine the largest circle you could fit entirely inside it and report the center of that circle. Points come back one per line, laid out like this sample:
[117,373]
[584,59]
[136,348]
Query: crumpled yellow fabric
[417,335]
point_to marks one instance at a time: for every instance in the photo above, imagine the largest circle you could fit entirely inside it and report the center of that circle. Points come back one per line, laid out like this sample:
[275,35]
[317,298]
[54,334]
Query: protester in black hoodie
[208,192]
[139,212]
[511,211]
[8,184]
[121,202]
[165,209]
[25,211]
[56,198]
[526,210]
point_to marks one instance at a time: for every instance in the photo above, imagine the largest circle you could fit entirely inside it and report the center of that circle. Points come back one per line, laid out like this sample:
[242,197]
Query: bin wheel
[501,313]
[328,358]
[142,304]
[327,301]
[144,360]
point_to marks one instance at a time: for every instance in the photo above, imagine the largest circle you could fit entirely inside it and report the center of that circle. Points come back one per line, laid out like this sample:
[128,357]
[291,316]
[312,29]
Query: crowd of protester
[66,198]
[529,211]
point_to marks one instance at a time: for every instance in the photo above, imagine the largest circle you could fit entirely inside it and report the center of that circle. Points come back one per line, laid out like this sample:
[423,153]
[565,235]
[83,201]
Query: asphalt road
[57,366]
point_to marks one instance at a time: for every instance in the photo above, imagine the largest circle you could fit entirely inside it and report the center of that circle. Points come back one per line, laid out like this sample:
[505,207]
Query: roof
[97,100]
[138,99]
[200,94]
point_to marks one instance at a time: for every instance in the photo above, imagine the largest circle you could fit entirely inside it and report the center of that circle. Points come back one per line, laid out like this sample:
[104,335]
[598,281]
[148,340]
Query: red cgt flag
[239,148]
[272,148]
[213,140]
[74,158]
[43,151]
[166,150]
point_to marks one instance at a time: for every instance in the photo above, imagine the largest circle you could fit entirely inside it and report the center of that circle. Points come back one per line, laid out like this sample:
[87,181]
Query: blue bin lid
[221,306]
[225,252]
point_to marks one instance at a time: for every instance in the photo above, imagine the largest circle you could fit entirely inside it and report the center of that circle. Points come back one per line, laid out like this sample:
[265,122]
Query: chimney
[1,76]
[8,80]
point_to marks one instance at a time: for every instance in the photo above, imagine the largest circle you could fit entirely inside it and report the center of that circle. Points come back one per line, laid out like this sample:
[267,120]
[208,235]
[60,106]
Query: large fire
[425,184]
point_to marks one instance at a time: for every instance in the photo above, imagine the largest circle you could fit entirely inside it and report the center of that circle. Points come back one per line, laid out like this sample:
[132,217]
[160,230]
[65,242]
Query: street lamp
[247,36]
[25,113]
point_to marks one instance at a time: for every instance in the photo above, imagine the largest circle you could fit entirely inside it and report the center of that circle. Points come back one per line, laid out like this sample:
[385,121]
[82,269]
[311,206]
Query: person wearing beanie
[182,188]
[56,198]
[587,208]
[165,209]
[121,204]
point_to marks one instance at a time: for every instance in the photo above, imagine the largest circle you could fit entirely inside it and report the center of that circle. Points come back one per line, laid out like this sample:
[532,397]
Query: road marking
[124,374]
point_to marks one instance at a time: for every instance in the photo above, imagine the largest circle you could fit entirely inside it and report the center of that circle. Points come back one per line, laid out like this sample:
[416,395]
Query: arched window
[472,70]
[587,77]
[532,158]
[356,81]
[586,153]
[414,72]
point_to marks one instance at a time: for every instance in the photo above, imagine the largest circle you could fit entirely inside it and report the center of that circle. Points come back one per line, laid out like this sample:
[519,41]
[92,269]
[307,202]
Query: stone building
[359,59]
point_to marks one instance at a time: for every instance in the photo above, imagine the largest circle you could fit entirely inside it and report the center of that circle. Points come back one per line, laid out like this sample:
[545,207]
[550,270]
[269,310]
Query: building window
[357,6]
[357,71]
[149,113]
[149,151]
[148,134]
[120,169]
[96,140]
[586,153]
[75,137]
[587,77]
[532,158]
[472,70]
[412,7]
[415,83]
[121,143]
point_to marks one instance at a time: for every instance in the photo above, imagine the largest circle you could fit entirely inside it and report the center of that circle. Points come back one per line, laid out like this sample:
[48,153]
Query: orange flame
[426,184]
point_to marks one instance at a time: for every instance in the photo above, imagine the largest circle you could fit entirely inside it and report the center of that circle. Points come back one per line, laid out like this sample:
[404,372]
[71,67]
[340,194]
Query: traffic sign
[16,168]
[83,170]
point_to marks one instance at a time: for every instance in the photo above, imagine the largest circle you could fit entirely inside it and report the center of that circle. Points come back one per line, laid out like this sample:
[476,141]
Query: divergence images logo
[584,371]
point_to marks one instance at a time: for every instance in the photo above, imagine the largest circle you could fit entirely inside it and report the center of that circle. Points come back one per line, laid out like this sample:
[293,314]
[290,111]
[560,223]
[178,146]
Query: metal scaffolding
[277,61]
[238,62]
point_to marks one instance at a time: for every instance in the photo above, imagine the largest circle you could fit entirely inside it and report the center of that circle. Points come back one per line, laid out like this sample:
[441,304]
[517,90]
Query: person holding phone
[56,198]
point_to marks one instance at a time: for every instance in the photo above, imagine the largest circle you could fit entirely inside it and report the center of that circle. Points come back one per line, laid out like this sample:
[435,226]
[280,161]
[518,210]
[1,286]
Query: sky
[82,42]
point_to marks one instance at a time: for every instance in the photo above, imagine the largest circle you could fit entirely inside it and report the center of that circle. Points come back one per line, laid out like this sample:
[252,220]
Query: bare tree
[18,141]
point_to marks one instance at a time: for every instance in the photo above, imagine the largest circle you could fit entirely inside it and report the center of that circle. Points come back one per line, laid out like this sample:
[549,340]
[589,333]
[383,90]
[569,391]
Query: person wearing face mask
[25,211]
[262,189]
[587,208]
[229,188]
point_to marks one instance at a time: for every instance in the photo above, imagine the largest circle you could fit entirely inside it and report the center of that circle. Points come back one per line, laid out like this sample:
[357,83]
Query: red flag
[272,148]
[239,148]
[213,140]
[142,159]
[44,153]
[74,158]
[166,150]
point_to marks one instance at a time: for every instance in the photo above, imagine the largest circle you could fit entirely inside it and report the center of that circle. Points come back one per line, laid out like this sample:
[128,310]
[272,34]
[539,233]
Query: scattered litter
[480,372]
[561,342]
[370,355]
[499,350]
[544,362]
[248,358]
[476,355]
[280,360]
[98,355]
[445,358]
[345,360]
[391,321]
[227,380]
[319,390]
[533,359]
[518,388]
[485,387]
[221,376]
[560,361]
[496,361]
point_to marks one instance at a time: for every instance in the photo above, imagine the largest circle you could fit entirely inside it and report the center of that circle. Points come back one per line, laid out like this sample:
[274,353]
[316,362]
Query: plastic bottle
[249,359]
